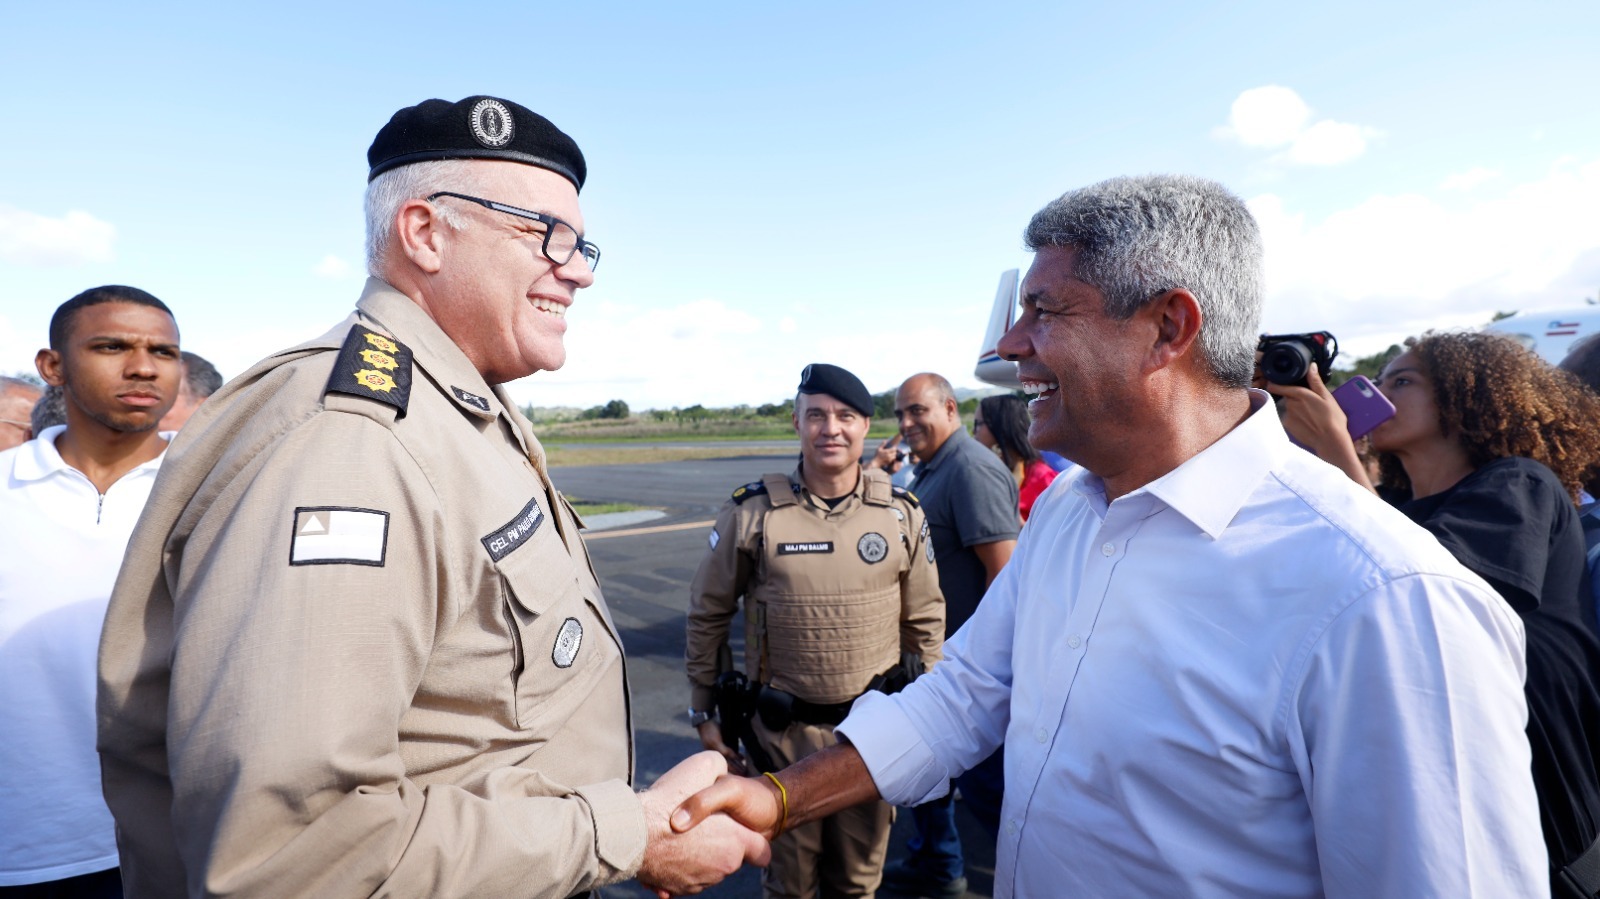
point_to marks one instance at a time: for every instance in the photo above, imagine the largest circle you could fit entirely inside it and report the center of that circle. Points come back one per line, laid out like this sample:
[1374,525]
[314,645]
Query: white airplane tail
[991,368]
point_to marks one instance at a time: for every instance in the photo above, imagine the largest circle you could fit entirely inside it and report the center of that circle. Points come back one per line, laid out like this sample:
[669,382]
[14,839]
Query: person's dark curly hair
[1500,399]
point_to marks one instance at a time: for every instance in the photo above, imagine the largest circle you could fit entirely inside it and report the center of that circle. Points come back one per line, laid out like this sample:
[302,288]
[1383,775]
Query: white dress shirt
[1248,678]
[61,544]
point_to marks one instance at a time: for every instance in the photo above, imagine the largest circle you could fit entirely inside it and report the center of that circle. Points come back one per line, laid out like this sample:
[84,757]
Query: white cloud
[788,325]
[1268,117]
[1276,118]
[1394,265]
[77,238]
[1469,179]
[1329,143]
[332,268]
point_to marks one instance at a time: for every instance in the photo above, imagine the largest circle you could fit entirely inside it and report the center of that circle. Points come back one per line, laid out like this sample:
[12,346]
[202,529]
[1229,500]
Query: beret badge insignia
[491,123]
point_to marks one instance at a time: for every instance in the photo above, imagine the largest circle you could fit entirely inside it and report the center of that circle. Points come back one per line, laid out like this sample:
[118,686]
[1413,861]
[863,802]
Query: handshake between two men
[704,823]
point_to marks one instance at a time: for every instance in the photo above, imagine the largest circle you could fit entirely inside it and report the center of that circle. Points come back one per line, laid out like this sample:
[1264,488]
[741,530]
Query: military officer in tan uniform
[840,595]
[358,647]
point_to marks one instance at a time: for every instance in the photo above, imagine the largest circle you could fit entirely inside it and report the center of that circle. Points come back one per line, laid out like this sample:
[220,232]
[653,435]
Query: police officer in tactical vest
[841,596]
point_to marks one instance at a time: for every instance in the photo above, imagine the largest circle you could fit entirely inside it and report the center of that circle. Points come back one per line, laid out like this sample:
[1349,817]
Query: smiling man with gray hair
[359,647]
[1219,668]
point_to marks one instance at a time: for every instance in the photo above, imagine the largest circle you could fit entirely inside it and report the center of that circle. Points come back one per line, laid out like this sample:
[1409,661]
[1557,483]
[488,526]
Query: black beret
[475,128]
[820,377]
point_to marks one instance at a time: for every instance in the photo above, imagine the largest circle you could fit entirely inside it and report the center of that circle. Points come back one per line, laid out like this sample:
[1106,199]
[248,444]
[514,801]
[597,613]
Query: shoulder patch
[754,488]
[373,366]
[908,496]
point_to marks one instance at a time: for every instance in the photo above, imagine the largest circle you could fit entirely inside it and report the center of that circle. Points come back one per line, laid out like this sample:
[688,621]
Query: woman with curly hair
[1002,425]
[1489,449]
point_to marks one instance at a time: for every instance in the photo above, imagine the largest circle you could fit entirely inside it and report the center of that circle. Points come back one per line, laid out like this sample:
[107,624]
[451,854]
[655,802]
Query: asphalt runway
[645,572]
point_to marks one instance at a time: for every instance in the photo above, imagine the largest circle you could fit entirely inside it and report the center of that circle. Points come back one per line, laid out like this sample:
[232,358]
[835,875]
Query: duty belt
[779,709]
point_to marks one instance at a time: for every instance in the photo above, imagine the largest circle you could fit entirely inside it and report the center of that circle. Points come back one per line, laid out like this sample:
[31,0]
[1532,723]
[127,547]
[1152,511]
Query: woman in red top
[1002,425]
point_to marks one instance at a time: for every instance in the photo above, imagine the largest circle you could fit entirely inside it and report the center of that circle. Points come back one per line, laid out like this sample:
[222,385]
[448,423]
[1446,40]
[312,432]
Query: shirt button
[1011,828]
[1042,735]
[1074,641]
[1108,549]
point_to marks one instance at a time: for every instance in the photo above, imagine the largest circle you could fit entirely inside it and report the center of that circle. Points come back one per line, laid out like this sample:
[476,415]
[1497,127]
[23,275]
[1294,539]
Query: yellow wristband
[783,796]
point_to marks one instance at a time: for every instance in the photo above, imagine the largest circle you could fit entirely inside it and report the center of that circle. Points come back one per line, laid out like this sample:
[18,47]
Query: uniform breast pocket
[560,645]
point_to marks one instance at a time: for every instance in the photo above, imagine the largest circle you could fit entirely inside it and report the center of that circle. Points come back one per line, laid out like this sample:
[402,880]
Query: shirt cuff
[619,828]
[901,763]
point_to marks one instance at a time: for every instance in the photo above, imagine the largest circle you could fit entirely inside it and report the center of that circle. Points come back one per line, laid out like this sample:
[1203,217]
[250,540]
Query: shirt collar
[945,450]
[38,458]
[1213,485]
[431,349]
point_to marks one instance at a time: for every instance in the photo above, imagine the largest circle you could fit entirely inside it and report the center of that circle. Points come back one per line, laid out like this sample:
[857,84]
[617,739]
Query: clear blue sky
[774,184]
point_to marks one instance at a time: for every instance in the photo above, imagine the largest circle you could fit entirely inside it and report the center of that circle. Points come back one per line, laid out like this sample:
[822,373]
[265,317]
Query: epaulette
[374,367]
[908,496]
[754,488]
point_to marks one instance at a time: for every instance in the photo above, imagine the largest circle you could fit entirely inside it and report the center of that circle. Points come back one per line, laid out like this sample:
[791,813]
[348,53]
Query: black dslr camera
[1287,358]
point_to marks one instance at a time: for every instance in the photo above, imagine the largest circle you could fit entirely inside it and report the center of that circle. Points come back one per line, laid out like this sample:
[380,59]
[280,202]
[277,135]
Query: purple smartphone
[1364,407]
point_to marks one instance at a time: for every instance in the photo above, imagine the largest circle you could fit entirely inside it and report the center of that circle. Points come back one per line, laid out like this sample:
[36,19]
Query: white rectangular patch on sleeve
[336,535]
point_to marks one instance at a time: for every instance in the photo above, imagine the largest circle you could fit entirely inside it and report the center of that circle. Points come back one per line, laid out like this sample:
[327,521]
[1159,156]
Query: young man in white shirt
[68,502]
[1218,668]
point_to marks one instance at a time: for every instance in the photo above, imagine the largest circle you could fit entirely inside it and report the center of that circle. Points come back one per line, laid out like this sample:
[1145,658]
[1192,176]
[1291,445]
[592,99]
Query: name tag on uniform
[334,535]
[516,532]
[794,549]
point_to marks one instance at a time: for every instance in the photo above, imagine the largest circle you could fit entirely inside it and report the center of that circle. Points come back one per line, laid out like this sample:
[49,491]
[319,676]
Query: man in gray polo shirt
[971,503]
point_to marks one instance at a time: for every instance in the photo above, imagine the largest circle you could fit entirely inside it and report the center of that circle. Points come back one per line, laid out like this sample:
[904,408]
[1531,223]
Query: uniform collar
[1213,485]
[798,480]
[39,459]
[431,349]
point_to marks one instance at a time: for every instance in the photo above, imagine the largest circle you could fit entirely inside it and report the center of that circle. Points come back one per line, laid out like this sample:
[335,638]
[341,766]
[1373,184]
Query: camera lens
[1286,362]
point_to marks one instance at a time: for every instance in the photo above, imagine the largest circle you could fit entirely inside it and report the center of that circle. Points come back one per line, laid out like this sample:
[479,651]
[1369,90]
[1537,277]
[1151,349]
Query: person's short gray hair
[1140,237]
[200,377]
[49,411]
[388,191]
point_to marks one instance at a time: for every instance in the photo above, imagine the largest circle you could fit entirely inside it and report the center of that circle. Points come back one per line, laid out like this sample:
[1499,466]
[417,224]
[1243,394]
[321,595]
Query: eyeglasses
[976,424]
[561,240]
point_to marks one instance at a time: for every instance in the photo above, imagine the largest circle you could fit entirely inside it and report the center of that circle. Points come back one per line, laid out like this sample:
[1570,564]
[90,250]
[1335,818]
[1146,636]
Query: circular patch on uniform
[567,642]
[491,123]
[872,547]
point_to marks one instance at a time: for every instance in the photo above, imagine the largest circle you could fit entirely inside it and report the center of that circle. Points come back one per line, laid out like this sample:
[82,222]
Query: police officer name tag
[515,532]
[336,535]
[795,549]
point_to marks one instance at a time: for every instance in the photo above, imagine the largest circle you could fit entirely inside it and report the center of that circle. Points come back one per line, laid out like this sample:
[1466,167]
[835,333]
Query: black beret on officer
[478,127]
[820,377]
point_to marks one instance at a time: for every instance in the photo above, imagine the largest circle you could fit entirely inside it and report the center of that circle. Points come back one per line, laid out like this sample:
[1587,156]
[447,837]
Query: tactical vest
[827,601]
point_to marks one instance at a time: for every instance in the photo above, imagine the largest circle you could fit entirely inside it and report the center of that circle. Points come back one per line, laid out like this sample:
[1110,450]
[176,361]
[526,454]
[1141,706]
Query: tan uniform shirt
[357,651]
[850,587]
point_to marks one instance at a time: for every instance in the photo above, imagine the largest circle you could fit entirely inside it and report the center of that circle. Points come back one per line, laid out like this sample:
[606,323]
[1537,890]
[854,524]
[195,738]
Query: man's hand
[678,863]
[888,455]
[711,738]
[752,801]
